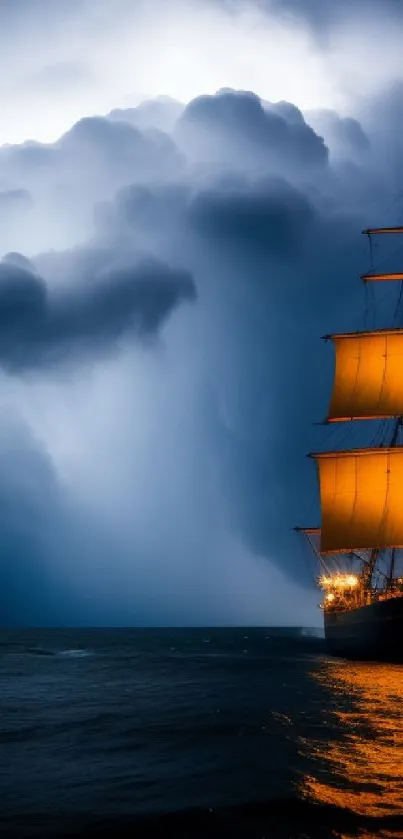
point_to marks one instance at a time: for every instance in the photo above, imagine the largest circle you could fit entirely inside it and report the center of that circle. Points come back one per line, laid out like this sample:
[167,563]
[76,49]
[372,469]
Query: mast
[361,490]
[368,570]
[391,567]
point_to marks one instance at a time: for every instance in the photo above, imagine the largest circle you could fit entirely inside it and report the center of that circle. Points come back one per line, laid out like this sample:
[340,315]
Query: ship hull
[373,632]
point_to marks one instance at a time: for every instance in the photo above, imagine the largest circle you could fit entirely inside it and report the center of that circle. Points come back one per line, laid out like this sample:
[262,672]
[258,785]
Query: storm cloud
[179,260]
[103,302]
[234,129]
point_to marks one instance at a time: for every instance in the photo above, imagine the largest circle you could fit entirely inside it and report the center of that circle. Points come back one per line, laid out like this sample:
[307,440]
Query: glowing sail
[361,494]
[368,378]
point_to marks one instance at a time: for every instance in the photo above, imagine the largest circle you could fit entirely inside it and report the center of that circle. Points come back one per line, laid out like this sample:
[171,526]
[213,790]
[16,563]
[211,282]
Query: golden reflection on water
[362,768]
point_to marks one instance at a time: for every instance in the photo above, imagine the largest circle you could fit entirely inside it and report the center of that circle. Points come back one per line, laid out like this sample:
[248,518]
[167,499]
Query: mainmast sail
[368,378]
[361,493]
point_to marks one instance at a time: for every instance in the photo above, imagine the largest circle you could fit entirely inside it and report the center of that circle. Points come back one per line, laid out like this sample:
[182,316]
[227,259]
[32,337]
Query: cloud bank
[63,61]
[165,272]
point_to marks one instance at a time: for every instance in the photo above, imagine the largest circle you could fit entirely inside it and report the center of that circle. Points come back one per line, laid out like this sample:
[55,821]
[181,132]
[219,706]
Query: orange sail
[368,381]
[361,494]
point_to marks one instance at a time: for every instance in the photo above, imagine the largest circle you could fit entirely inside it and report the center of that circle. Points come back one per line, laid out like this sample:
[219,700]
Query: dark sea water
[196,732]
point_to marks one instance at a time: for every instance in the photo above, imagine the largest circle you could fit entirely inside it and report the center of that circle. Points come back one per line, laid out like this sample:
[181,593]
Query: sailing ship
[360,541]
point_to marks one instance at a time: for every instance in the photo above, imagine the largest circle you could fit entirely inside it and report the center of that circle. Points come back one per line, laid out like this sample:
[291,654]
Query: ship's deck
[362,599]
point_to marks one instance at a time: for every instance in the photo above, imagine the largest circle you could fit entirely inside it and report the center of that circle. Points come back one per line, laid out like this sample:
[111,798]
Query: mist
[166,269]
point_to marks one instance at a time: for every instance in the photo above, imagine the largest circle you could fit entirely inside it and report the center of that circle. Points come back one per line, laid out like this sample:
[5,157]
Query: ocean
[196,732]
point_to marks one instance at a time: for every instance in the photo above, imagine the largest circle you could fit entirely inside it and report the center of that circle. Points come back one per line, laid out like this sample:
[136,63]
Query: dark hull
[373,632]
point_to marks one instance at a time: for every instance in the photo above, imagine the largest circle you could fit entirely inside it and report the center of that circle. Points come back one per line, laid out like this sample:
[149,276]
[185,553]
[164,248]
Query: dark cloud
[142,212]
[265,215]
[234,129]
[39,327]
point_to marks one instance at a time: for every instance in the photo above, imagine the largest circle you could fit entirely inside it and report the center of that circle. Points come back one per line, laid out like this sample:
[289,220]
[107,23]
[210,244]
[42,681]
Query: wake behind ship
[359,545]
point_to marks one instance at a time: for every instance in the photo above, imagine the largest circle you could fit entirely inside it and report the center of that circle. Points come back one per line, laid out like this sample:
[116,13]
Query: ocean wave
[69,653]
[312,632]
[74,653]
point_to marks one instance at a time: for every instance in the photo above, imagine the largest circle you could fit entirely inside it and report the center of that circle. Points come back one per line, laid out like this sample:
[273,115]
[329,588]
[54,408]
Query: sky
[182,190]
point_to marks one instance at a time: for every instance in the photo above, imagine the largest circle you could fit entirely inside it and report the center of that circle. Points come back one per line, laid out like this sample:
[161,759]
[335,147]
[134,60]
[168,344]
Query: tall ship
[359,545]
